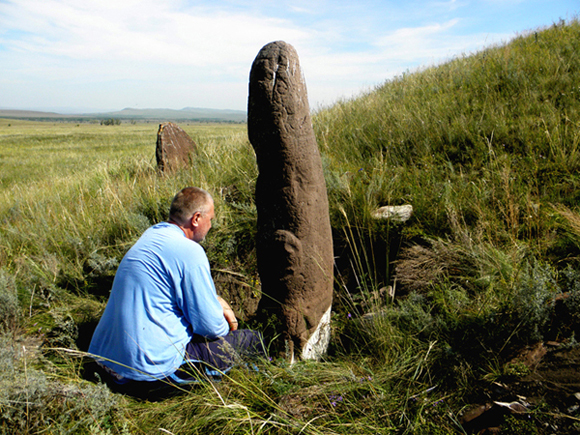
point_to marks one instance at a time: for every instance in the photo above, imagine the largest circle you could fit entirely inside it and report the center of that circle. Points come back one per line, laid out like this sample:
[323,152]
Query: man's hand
[229,314]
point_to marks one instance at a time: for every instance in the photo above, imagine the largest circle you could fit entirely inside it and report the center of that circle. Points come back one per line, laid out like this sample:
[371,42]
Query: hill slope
[514,108]
[486,148]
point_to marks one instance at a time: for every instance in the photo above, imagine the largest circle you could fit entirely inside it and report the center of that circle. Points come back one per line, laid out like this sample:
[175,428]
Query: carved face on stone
[294,236]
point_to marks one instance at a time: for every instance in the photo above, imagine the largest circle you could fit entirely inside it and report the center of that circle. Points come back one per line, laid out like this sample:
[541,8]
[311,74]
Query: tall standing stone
[294,239]
[174,147]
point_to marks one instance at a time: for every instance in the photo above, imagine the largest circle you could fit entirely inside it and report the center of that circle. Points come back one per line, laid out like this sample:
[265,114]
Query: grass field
[429,317]
[59,150]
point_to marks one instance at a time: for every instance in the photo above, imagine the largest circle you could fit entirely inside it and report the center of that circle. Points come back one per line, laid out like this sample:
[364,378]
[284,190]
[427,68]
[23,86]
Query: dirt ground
[545,400]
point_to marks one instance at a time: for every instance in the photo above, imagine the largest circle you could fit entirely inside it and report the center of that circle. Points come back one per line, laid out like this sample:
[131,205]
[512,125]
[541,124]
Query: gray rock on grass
[174,147]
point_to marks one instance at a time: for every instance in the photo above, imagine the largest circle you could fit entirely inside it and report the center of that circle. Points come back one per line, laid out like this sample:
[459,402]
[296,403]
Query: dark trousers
[225,352]
[205,360]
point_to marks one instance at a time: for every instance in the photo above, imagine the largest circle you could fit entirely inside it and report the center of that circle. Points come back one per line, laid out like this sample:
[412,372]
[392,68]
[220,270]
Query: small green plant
[9,305]
[533,301]
[516,370]
[523,425]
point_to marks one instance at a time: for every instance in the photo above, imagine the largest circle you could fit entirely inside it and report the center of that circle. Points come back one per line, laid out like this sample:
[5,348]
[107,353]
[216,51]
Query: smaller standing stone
[174,147]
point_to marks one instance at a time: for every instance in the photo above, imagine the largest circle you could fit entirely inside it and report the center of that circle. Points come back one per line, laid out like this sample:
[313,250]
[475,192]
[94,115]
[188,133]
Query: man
[163,311]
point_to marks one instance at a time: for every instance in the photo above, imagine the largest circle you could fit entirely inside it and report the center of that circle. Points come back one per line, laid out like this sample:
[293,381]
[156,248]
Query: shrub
[532,303]
[9,306]
[31,401]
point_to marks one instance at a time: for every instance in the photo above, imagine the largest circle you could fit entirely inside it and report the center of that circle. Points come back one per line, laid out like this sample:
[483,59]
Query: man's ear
[195,219]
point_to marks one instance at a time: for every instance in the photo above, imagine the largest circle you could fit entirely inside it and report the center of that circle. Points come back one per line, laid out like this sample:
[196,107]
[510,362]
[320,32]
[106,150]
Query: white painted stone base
[317,344]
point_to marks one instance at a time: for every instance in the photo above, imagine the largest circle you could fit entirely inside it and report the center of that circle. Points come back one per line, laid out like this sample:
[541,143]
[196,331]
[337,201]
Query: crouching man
[164,323]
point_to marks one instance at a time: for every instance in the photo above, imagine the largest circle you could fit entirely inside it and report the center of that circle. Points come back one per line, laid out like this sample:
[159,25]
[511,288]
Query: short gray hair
[188,202]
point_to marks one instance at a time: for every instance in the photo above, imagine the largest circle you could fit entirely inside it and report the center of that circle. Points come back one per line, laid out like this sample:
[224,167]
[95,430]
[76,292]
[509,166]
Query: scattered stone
[397,213]
[474,413]
[174,147]
[513,407]
[486,418]
[531,356]
[294,238]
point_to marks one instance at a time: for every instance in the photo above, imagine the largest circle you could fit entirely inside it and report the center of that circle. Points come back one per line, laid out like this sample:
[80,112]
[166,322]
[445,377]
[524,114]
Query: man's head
[192,210]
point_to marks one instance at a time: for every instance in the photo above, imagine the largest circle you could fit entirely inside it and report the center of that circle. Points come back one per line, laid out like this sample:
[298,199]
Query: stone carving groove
[294,239]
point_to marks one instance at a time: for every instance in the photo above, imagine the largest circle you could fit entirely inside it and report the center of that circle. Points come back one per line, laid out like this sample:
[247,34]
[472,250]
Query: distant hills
[162,115]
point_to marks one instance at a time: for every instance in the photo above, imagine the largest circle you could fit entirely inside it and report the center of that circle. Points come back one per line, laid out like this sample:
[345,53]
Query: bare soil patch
[544,401]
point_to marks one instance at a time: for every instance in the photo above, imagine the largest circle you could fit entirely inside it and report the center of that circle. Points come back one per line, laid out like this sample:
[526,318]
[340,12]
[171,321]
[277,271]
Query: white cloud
[180,52]
[144,31]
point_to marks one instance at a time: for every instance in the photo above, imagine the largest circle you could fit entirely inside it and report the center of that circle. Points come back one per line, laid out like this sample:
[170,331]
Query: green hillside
[471,307]
[485,146]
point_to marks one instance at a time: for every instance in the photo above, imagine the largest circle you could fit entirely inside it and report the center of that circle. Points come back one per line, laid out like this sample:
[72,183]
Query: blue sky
[78,55]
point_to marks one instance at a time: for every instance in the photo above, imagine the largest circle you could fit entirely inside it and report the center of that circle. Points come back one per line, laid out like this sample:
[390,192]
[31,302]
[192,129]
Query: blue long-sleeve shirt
[163,293]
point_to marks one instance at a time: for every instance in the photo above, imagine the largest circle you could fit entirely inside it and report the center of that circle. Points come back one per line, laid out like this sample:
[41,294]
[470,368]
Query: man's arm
[229,314]
[198,299]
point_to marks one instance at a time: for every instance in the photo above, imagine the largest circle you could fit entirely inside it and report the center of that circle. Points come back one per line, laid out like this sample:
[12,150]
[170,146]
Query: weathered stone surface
[294,240]
[397,213]
[174,147]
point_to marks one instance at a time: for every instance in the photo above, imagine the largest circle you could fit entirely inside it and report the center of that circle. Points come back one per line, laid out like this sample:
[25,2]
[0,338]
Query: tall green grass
[427,313]
[494,130]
